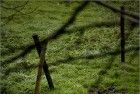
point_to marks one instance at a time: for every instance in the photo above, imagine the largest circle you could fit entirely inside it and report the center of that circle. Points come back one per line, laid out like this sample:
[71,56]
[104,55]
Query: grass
[95,31]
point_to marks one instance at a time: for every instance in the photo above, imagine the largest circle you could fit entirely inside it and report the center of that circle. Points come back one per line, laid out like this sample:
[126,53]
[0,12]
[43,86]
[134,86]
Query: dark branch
[51,36]
[136,17]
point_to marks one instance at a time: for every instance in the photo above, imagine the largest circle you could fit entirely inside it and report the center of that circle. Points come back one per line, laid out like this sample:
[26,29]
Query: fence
[41,52]
[40,49]
[41,45]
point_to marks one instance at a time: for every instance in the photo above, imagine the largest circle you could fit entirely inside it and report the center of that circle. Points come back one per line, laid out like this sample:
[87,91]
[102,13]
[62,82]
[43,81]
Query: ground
[78,60]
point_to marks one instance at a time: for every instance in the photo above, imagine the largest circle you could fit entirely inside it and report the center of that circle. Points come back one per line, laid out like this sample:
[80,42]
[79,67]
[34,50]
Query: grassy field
[77,59]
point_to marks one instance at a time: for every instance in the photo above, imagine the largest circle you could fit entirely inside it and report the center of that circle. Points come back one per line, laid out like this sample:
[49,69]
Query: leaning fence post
[45,66]
[39,74]
[122,35]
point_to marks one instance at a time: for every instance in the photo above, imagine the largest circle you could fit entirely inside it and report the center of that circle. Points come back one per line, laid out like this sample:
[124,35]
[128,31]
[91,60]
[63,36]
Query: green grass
[95,31]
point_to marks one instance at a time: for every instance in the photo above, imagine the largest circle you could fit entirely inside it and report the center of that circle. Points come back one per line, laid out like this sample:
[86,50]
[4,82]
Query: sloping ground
[79,61]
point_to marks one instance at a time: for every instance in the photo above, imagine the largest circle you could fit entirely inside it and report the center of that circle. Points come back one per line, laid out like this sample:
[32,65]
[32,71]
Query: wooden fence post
[45,66]
[122,35]
[39,74]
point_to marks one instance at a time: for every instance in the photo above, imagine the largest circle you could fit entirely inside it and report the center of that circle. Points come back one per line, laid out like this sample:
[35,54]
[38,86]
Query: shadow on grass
[80,29]
[53,36]
[57,34]
[26,67]
[96,89]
